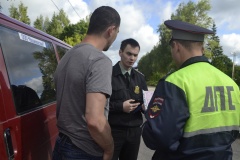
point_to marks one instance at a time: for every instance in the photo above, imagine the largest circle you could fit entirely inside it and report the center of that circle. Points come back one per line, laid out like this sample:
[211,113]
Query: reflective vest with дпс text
[212,97]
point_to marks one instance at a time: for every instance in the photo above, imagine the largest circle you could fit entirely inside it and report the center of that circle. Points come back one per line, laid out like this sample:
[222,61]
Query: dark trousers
[65,150]
[126,143]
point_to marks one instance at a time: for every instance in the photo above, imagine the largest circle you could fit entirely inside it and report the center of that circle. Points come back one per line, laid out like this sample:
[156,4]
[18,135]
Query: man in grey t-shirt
[83,85]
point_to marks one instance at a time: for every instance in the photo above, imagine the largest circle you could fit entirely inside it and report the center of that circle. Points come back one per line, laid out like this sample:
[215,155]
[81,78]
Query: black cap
[186,31]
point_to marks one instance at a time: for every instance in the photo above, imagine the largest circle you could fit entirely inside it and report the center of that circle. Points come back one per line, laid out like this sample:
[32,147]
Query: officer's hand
[129,106]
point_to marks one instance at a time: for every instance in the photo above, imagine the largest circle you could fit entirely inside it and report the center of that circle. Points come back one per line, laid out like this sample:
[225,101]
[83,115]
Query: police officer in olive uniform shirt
[194,112]
[125,116]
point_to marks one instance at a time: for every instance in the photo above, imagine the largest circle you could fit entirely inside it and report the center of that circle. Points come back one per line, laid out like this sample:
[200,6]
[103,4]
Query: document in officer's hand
[147,95]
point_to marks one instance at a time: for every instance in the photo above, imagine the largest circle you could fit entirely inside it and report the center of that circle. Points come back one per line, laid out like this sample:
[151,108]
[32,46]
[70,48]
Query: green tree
[47,65]
[195,13]
[20,13]
[146,61]
[162,63]
[214,44]
[74,33]
[41,23]
[216,56]
[57,24]
[237,75]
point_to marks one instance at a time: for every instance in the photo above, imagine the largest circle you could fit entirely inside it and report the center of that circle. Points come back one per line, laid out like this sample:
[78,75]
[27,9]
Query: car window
[61,51]
[30,64]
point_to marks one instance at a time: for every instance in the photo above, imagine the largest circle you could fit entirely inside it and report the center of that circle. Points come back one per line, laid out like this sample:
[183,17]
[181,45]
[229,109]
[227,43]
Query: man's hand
[107,155]
[129,106]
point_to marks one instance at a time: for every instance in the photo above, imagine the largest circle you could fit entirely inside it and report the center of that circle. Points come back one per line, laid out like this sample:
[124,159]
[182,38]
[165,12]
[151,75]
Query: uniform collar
[117,70]
[124,70]
[194,60]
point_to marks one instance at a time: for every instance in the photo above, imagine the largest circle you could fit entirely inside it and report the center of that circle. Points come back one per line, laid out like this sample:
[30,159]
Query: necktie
[127,79]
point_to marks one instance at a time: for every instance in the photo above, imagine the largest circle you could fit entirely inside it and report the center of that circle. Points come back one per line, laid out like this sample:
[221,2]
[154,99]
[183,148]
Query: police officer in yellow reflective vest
[194,113]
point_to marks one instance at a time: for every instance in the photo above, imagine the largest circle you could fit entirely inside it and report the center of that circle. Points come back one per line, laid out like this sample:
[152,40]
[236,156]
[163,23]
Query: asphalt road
[146,154]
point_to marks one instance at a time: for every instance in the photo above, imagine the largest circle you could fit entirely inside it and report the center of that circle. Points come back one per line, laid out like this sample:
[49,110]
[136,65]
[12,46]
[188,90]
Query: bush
[153,80]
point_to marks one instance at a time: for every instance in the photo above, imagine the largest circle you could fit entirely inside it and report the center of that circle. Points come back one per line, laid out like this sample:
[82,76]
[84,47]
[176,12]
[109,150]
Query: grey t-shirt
[83,69]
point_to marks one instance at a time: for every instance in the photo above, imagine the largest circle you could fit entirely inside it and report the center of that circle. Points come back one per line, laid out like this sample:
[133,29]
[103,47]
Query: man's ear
[177,45]
[120,52]
[203,50]
[173,44]
[110,30]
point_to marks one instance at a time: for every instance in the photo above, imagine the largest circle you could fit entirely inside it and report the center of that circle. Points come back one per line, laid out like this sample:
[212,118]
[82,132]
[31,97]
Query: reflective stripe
[211,130]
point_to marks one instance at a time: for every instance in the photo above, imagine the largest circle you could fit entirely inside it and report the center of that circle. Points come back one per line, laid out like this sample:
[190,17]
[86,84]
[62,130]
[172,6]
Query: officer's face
[129,56]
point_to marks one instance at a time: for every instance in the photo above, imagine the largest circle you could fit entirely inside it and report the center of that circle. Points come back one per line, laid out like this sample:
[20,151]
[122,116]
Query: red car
[28,59]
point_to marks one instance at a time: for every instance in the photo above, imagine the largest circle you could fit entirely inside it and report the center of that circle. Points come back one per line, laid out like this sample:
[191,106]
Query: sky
[140,19]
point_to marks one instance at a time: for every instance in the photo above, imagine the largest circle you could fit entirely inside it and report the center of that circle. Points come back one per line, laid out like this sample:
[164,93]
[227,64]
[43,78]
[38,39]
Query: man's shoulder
[138,72]
[116,68]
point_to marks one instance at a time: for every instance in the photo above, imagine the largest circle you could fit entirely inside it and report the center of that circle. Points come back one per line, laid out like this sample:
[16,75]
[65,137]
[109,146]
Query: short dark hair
[130,41]
[189,45]
[102,18]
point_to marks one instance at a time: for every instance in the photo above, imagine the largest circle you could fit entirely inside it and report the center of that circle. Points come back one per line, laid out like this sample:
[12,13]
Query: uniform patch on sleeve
[155,110]
[158,101]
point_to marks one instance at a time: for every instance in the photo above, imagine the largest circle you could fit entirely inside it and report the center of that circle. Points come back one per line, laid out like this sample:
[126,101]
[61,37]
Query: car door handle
[8,143]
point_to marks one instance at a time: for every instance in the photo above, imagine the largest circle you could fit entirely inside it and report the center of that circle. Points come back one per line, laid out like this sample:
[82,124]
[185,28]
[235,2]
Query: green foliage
[237,75]
[155,78]
[213,45]
[14,12]
[74,33]
[47,64]
[147,64]
[57,24]
[159,60]
[164,57]
[19,13]
[216,56]
[224,64]
[41,23]
[194,13]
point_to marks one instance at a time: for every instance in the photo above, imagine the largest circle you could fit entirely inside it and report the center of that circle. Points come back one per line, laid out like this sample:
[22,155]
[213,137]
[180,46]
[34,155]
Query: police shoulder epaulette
[139,72]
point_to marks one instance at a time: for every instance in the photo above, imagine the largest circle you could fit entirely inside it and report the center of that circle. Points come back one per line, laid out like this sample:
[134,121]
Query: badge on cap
[136,90]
